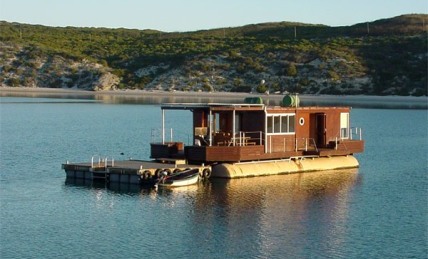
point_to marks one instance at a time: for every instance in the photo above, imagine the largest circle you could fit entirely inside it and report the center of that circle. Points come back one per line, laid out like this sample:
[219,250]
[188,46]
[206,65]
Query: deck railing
[245,138]
[292,144]
[355,133]
[170,136]
[156,135]
[305,144]
[98,161]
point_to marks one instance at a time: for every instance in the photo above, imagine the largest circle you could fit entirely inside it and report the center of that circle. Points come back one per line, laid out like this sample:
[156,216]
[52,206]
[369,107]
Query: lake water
[377,211]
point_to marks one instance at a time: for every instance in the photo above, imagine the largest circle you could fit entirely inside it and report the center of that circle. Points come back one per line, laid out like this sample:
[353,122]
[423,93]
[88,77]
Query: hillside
[384,57]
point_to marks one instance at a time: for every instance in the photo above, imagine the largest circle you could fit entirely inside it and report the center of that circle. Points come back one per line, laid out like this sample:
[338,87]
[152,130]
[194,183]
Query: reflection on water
[168,98]
[130,189]
[83,183]
[311,184]
[281,209]
[77,95]
[121,188]
[270,212]
[301,185]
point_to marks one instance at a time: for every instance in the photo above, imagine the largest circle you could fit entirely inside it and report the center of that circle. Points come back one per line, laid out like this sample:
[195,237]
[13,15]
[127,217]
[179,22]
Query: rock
[107,81]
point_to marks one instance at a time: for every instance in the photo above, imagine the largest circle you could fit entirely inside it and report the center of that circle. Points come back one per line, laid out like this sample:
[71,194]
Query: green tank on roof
[253,100]
[290,101]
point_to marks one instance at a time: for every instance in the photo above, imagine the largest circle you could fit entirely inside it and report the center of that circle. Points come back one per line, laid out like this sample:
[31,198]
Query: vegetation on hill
[384,57]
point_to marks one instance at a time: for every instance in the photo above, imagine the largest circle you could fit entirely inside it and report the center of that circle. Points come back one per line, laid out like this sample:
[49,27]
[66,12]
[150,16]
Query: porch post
[210,122]
[233,126]
[265,133]
[163,126]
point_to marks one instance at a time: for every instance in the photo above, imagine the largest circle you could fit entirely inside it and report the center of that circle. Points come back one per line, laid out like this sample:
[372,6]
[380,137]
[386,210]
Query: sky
[192,15]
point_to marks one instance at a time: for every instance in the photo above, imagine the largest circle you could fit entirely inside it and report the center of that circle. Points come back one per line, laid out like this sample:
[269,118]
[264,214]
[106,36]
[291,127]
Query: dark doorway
[320,125]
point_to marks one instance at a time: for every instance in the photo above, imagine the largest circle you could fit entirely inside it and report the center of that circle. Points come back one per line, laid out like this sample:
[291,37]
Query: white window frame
[344,125]
[281,117]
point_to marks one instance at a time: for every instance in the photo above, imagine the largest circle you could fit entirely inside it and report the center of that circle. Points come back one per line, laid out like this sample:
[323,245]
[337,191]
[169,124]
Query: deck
[129,171]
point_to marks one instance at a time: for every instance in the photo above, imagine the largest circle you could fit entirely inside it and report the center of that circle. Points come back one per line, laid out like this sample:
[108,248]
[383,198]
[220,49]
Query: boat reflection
[247,191]
[281,209]
[79,182]
[120,188]
[270,212]
[127,188]
[270,190]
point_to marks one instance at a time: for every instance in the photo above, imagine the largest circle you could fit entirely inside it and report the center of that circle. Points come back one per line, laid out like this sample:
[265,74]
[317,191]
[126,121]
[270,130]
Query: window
[291,120]
[237,122]
[269,124]
[344,125]
[280,124]
[277,124]
[284,124]
[215,122]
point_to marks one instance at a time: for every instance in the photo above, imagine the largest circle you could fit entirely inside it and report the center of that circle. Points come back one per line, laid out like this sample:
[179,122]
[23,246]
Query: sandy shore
[125,93]
[154,97]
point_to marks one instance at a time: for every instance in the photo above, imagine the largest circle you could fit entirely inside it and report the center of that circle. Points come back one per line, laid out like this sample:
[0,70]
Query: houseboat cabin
[231,133]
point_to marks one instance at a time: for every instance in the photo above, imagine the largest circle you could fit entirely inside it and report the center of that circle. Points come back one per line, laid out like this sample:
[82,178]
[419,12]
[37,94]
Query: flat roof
[189,106]
[242,107]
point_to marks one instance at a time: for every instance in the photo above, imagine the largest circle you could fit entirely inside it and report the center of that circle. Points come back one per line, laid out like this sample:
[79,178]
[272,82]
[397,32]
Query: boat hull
[272,167]
[177,181]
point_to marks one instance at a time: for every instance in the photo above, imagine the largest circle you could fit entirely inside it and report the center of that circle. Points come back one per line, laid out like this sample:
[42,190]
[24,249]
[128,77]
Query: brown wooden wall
[280,143]
[302,131]
[309,129]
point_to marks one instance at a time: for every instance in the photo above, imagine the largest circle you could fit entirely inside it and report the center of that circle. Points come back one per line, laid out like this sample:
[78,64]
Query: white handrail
[157,135]
[105,161]
[358,132]
[295,144]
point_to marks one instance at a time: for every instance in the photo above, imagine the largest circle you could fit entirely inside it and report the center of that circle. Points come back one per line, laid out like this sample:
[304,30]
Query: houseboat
[240,140]
[253,139]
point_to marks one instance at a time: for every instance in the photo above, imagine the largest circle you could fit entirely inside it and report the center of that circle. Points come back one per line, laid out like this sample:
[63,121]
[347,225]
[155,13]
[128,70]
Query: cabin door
[320,128]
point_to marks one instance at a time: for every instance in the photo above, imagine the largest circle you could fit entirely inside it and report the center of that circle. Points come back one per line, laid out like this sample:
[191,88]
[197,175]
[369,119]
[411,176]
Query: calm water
[377,211]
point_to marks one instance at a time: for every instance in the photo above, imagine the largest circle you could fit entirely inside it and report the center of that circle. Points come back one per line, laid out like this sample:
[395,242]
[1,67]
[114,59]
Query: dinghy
[187,177]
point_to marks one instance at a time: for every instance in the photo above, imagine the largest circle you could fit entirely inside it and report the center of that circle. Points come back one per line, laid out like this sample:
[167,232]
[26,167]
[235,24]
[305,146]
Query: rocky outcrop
[29,67]
[107,81]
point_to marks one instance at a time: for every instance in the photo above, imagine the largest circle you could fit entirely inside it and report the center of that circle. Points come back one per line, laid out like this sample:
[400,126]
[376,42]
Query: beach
[157,96]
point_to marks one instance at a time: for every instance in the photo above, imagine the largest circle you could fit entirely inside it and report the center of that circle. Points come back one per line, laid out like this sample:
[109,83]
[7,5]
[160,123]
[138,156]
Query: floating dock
[130,171]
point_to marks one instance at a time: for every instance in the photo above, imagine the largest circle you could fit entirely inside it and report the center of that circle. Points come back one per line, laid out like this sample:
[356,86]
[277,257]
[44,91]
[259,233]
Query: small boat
[184,178]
